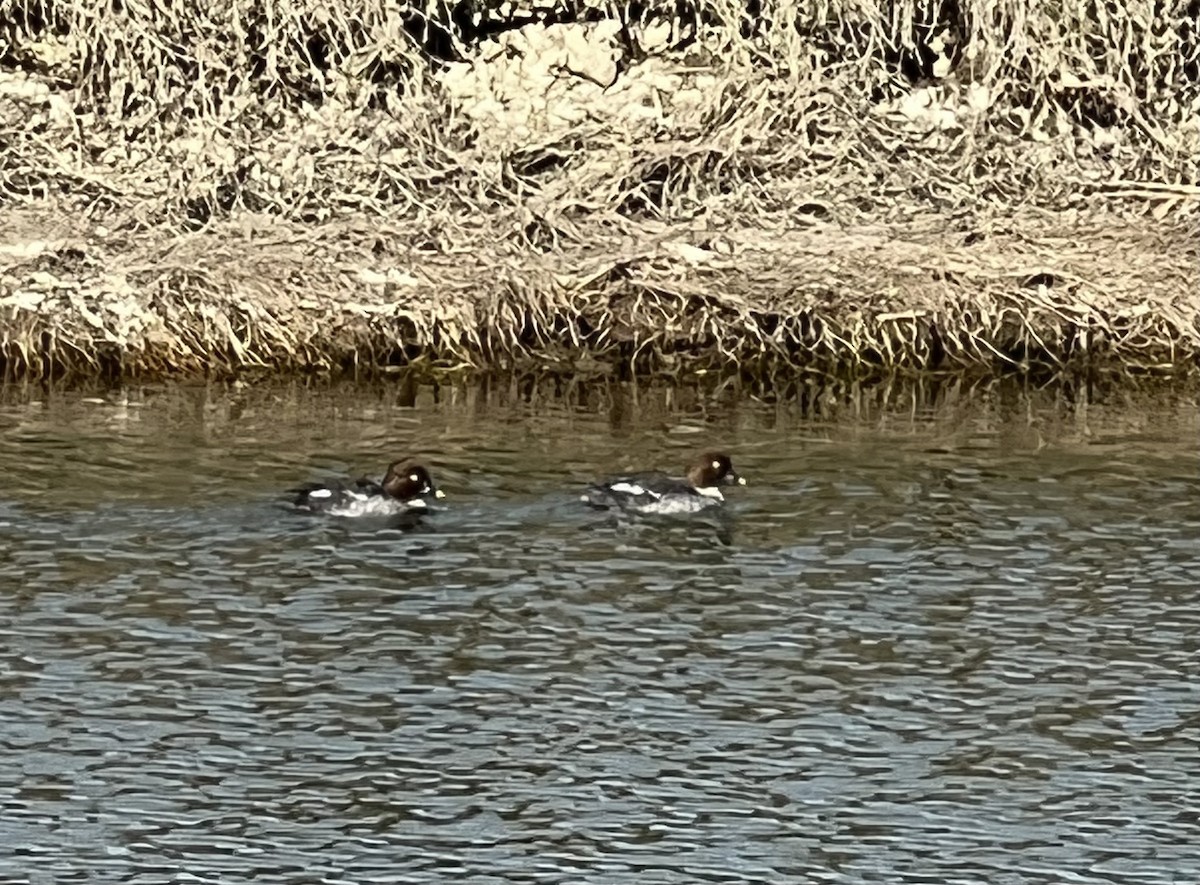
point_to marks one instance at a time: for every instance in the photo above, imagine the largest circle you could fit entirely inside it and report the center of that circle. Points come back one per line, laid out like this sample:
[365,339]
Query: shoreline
[258,294]
[272,189]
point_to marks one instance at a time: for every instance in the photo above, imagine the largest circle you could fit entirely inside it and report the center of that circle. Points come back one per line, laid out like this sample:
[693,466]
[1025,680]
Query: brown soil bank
[917,184]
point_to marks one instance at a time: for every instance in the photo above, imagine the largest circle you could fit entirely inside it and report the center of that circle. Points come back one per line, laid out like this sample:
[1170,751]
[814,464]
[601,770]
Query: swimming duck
[655,492]
[405,487]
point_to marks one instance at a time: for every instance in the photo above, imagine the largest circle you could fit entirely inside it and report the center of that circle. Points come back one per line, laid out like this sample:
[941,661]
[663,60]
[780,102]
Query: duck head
[713,469]
[409,481]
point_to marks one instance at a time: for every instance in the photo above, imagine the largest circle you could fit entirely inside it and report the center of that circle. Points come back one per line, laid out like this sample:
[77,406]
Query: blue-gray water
[941,637]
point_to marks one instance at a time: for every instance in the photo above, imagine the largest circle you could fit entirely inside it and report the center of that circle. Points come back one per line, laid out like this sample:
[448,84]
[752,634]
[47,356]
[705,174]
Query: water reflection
[944,635]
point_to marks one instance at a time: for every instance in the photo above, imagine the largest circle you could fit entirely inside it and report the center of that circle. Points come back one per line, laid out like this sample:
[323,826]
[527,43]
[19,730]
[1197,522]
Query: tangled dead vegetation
[291,296]
[286,184]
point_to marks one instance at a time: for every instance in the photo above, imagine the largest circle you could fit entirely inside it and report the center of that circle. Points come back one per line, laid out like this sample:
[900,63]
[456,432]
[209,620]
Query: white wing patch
[711,492]
[321,493]
[370,505]
[631,488]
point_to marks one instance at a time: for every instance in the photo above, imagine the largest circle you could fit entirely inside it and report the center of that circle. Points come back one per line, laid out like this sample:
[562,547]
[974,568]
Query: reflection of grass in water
[419,411]
[292,187]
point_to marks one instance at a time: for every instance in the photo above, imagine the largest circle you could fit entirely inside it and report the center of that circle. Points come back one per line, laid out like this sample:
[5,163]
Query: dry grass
[299,184]
[293,296]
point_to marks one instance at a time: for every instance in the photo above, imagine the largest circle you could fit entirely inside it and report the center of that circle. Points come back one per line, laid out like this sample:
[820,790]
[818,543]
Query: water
[944,636]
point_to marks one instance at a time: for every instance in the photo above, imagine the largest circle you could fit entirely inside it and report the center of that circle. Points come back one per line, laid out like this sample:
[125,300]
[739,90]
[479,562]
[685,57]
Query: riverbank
[926,294]
[347,193]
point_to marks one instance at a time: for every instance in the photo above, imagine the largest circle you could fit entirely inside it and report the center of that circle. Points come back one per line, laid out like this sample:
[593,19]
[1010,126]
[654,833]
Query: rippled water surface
[943,636]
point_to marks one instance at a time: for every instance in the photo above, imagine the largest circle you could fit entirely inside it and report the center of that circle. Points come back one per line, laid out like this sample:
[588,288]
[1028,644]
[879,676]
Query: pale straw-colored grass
[302,297]
[301,184]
